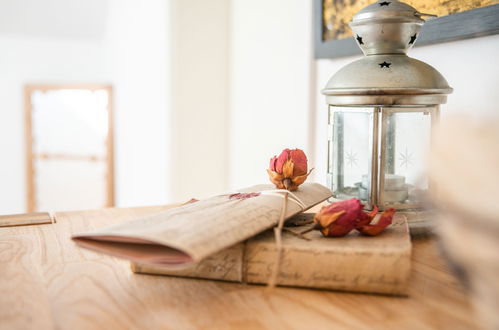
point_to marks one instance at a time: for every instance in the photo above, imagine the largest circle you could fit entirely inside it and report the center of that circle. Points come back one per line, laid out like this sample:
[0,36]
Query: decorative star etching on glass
[406,158]
[351,158]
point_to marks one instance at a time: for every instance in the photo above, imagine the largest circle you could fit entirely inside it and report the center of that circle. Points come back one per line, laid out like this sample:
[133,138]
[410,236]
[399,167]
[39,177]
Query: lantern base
[421,223]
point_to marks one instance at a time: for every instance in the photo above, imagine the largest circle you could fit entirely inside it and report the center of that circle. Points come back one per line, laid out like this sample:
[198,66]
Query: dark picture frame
[469,24]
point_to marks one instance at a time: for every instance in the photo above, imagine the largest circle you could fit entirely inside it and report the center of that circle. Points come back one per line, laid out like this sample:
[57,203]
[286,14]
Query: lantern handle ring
[423,14]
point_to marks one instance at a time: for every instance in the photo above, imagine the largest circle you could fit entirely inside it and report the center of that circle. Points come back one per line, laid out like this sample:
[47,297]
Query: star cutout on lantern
[384,3]
[351,158]
[406,159]
[413,38]
[359,40]
[384,65]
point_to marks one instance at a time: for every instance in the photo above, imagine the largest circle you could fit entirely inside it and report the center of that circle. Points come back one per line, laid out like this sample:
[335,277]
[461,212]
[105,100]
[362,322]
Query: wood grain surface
[25,219]
[47,282]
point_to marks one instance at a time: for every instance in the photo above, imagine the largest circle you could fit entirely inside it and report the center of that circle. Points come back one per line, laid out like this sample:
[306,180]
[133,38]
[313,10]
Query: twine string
[286,195]
[278,235]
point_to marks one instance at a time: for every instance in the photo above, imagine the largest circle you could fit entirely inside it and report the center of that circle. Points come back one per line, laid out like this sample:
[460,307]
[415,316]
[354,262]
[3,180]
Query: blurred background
[127,103]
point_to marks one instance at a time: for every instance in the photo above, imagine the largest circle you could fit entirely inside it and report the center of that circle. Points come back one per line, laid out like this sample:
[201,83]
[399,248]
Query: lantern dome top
[387,27]
[387,80]
[385,31]
[387,11]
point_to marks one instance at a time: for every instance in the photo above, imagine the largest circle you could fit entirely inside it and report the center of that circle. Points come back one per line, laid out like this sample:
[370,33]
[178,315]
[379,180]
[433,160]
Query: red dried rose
[340,218]
[289,170]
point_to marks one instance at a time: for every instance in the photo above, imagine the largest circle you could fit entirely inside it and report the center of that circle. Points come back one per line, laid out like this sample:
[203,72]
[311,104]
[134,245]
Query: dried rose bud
[340,218]
[289,170]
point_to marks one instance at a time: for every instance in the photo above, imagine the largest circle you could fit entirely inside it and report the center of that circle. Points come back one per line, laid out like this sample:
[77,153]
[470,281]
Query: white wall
[138,49]
[29,60]
[275,99]
[470,66]
[125,54]
[66,19]
[271,63]
[200,92]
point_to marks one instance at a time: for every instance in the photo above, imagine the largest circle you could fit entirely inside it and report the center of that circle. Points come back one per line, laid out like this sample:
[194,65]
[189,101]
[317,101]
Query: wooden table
[47,282]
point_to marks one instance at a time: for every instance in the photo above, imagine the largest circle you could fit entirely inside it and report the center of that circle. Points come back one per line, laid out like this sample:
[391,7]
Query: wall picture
[457,19]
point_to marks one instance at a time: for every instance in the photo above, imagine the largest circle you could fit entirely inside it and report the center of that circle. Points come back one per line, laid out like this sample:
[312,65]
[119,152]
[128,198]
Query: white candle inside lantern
[396,190]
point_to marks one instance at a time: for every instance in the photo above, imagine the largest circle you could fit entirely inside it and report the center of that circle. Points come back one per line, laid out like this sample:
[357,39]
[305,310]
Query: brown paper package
[354,263]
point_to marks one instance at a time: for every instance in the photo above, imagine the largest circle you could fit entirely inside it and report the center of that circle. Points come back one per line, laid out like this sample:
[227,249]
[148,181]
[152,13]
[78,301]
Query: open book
[181,236]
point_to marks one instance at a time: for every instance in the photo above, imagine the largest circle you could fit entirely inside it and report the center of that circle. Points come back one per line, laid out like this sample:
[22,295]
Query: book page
[189,233]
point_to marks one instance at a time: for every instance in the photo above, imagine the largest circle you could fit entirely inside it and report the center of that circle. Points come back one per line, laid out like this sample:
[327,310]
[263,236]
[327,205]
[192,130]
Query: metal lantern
[381,112]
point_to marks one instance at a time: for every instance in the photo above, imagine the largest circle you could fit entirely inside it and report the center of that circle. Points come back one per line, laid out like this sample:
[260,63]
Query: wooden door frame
[28,108]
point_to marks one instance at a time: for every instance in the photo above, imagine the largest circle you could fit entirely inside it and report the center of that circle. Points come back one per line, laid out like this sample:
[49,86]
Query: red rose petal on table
[337,230]
[345,213]
[375,229]
[339,218]
[366,218]
[352,208]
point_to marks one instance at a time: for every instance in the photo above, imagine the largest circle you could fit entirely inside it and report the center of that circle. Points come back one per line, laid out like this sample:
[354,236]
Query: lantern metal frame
[386,81]
[378,147]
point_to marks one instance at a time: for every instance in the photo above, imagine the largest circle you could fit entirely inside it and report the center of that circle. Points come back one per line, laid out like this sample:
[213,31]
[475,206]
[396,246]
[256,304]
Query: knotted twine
[278,229]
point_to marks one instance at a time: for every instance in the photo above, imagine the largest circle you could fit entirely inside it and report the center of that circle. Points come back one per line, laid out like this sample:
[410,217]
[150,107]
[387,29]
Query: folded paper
[187,234]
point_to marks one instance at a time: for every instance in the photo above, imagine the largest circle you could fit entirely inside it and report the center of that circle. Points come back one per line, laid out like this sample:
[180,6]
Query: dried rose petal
[375,229]
[366,218]
[244,195]
[272,164]
[190,201]
[340,218]
[281,160]
[300,162]
[289,169]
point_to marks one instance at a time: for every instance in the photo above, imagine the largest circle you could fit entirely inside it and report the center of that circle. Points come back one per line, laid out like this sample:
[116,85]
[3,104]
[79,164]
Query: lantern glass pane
[407,143]
[350,142]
